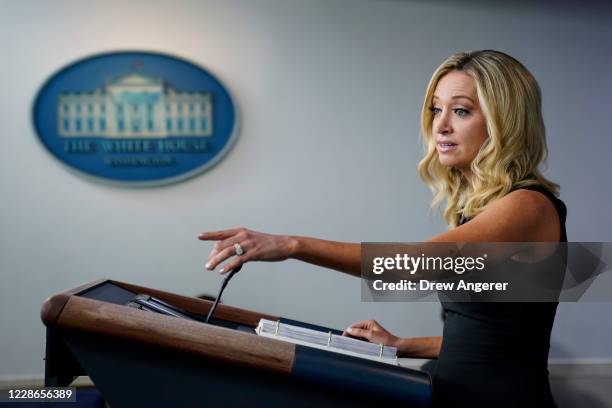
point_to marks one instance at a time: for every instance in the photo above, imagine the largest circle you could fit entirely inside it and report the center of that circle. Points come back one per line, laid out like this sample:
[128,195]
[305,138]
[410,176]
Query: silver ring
[238,249]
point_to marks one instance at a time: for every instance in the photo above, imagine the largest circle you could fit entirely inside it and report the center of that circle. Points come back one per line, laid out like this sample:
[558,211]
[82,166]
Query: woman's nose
[443,126]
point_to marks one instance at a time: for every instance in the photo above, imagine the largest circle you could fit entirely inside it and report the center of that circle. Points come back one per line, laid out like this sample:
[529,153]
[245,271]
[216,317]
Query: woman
[484,139]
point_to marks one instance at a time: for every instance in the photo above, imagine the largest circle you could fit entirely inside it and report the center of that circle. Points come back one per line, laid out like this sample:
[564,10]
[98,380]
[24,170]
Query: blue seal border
[216,159]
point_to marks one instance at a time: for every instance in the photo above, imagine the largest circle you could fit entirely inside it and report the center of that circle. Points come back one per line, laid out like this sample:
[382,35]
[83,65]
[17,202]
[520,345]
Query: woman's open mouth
[446,147]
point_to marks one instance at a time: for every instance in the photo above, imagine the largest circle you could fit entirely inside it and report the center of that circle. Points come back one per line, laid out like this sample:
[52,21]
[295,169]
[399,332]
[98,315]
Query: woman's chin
[457,158]
[450,163]
[447,161]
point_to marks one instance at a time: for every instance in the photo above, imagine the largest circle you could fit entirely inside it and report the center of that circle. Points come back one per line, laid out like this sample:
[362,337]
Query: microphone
[223,285]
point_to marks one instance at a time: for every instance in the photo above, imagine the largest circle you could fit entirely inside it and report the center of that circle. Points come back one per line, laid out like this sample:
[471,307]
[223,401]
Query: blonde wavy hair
[510,158]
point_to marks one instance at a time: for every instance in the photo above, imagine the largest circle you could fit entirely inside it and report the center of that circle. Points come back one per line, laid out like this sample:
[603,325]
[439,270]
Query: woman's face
[459,127]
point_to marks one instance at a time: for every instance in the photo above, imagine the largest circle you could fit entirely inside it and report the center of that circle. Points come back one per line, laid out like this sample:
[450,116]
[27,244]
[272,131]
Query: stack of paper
[327,341]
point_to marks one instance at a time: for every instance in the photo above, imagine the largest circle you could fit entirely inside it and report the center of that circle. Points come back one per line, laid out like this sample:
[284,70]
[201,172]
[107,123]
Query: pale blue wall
[329,93]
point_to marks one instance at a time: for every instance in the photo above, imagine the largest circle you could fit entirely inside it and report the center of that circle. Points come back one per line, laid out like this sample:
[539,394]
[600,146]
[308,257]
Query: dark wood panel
[54,304]
[207,341]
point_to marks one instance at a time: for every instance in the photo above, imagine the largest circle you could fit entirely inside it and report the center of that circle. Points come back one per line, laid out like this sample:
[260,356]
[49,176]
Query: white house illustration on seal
[135,106]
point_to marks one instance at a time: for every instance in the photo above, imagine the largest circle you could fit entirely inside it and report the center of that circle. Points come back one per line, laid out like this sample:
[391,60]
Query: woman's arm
[419,347]
[341,256]
[521,216]
[415,347]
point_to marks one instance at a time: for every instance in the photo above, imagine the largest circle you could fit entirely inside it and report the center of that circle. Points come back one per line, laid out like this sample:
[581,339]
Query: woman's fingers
[219,257]
[358,329]
[238,238]
[372,331]
[364,324]
[256,246]
[237,261]
[218,235]
[231,265]
[227,239]
[355,332]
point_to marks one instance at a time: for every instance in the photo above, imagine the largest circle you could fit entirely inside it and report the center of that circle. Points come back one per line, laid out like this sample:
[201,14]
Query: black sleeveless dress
[496,354]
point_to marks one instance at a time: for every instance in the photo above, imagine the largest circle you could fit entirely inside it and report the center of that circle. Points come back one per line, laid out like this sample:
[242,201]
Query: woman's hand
[256,246]
[373,332]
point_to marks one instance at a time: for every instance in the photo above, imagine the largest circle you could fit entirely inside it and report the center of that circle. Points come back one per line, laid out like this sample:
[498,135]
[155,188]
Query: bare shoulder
[519,216]
[526,215]
[529,203]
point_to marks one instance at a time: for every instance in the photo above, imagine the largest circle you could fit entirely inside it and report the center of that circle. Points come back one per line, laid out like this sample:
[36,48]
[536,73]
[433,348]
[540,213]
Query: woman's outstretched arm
[341,256]
[521,216]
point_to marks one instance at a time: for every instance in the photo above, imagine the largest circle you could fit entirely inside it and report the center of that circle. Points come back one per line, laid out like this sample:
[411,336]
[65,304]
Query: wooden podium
[136,357]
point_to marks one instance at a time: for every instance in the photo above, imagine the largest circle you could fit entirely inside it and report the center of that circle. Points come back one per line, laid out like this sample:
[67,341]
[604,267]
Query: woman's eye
[461,112]
[458,111]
